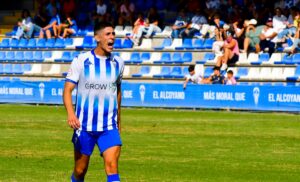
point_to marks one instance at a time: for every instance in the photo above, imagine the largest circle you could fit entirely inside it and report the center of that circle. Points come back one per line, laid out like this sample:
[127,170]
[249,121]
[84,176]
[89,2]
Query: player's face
[106,39]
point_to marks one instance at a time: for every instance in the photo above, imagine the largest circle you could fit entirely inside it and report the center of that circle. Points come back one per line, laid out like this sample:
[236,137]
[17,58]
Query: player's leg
[109,143]
[111,157]
[84,143]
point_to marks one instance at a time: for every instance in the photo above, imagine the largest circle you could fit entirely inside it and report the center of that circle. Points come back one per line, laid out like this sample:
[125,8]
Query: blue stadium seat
[59,44]
[31,43]
[26,67]
[165,58]
[47,54]
[17,69]
[28,56]
[176,58]
[135,58]
[186,44]
[66,57]
[187,57]
[50,43]
[127,44]
[1,69]
[23,43]
[199,44]
[38,56]
[19,56]
[175,73]
[208,43]
[74,54]
[116,54]
[296,58]
[145,56]
[118,44]
[165,43]
[296,75]
[7,69]
[264,57]
[165,71]
[13,32]
[207,56]
[4,44]
[287,59]
[68,41]
[41,43]
[10,56]
[2,56]
[144,70]
[14,43]
[208,71]
[185,71]
[241,72]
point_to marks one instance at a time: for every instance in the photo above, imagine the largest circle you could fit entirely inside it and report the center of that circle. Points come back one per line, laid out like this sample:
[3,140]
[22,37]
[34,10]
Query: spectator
[231,52]
[53,4]
[267,37]
[279,21]
[296,38]
[239,31]
[150,26]
[216,77]
[48,30]
[220,35]
[230,80]
[126,13]
[290,31]
[69,27]
[194,76]
[41,19]
[100,12]
[139,23]
[195,25]
[180,24]
[252,35]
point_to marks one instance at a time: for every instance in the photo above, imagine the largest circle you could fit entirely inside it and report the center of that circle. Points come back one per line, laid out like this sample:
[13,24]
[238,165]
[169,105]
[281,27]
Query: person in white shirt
[279,21]
[194,76]
[268,37]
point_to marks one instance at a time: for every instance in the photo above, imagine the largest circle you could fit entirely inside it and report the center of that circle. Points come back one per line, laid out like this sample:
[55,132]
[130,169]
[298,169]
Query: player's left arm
[119,97]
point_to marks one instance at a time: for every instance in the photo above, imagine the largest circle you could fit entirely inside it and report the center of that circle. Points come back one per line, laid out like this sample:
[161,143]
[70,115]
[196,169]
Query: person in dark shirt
[215,78]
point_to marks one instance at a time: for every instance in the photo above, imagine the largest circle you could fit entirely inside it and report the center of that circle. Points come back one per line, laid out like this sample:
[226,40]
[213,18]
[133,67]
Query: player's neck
[101,52]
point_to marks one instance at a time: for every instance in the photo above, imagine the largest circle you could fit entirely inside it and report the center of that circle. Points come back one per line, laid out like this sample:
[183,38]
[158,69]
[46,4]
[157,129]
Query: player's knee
[80,172]
[111,167]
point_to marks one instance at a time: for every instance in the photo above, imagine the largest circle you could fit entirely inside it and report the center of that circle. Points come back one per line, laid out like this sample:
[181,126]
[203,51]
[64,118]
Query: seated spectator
[48,30]
[194,76]
[26,27]
[151,26]
[296,42]
[69,27]
[291,24]
[220,35]
[252,36]
[215,78]
[230,80]
[53,4]
[100,11]
[179,24]
[231,52]
[268,37]
[239,31]
[139,22]
[279,21]
[195,25]
[126,13]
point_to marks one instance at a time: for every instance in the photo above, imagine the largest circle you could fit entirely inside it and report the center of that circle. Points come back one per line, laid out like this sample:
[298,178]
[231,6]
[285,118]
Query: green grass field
[159,145]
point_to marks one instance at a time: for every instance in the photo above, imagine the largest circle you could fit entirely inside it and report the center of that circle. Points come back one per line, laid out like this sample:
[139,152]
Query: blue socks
[76,180]
[113,178]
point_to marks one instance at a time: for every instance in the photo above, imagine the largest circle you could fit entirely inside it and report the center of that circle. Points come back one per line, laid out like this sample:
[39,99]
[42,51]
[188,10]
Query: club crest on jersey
[87,62]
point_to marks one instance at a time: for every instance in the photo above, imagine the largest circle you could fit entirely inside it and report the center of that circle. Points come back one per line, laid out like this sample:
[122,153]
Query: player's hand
[73,122]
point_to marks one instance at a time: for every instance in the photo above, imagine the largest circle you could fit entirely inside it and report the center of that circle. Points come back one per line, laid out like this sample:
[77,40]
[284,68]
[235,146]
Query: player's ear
[97,38]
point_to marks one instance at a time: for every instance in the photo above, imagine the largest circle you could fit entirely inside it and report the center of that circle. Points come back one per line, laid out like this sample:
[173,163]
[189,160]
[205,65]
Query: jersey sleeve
[74,71]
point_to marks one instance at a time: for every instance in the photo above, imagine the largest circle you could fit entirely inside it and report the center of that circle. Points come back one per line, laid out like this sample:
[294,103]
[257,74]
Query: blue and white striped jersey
[97,78]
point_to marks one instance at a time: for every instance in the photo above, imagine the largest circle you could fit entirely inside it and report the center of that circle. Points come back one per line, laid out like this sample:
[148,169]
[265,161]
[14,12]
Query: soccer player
[97,75]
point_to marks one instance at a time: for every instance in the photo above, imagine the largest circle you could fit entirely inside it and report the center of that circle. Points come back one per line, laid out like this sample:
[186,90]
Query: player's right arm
[67,98]
[71,82]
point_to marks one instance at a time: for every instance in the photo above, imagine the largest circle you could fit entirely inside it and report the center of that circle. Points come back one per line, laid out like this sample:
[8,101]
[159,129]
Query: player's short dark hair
[101,25]
[191,68]
[229,72]
[216,68]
